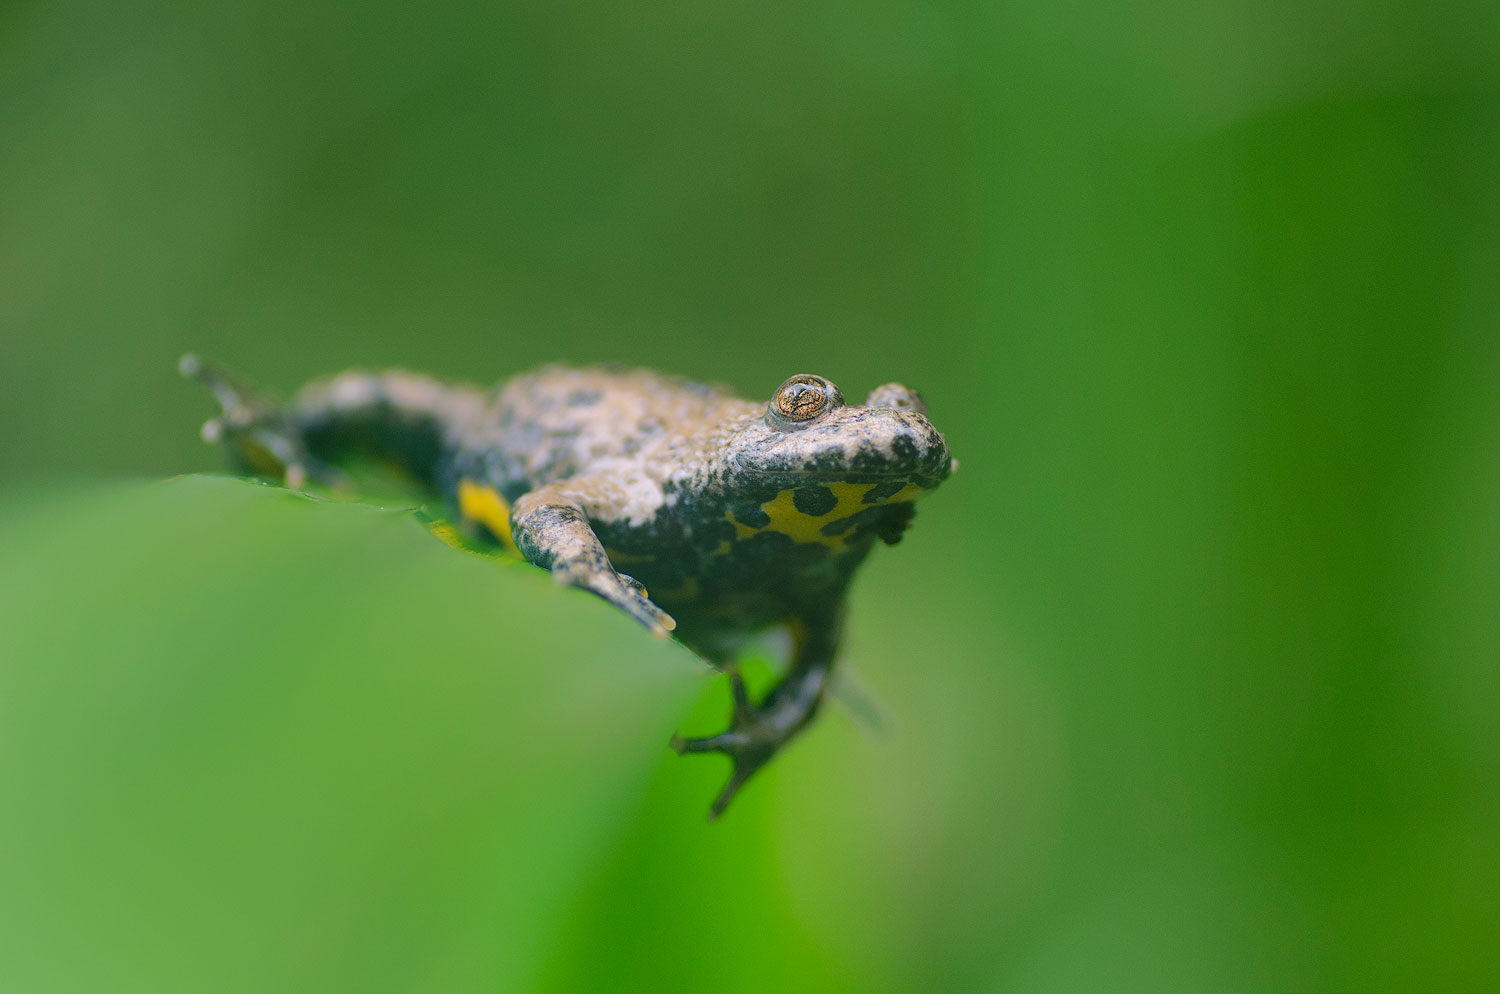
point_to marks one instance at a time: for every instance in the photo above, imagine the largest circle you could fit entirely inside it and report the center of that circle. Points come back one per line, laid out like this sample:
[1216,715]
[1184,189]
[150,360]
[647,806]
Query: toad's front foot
[755,734]
[624,592]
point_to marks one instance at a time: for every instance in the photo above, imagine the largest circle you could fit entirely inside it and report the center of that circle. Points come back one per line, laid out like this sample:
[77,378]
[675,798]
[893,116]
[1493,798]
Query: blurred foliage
[1189,674]
[297,745]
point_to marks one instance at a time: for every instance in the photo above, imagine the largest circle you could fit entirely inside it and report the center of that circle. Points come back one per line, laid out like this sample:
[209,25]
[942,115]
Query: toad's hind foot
[755,734]
[255,430]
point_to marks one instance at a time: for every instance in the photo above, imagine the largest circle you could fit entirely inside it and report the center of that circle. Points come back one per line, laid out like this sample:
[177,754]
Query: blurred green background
[1190,674]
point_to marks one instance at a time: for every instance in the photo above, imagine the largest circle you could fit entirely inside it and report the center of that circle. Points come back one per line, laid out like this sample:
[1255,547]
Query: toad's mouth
[925,474]
[926,481]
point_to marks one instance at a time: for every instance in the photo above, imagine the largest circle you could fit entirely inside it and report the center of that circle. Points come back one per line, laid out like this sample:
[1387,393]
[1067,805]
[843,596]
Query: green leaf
[251,741]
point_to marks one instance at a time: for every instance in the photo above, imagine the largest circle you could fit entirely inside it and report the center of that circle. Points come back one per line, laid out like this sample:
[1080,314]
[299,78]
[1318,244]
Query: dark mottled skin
[734,515]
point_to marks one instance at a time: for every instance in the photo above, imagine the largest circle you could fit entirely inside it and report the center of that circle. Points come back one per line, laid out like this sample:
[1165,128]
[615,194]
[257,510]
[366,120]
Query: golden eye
[804,398]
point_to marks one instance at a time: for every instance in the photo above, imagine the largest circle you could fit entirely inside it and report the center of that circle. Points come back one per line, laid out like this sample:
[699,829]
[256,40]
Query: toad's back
[560,423]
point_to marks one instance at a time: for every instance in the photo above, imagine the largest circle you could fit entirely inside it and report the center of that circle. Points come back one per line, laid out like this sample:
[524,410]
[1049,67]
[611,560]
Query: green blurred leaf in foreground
[251,741]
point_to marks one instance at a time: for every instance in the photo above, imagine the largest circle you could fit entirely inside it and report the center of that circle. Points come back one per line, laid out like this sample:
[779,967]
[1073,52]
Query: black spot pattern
[750,514]
[815,501]
[884,490]
[584,398]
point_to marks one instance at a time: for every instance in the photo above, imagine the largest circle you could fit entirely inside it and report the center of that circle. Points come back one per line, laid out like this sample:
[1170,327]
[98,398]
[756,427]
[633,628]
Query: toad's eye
[802,399]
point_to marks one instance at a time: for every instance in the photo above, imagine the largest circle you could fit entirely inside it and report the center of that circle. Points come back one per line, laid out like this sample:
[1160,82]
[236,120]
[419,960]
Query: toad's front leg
[757,732]
[552,531]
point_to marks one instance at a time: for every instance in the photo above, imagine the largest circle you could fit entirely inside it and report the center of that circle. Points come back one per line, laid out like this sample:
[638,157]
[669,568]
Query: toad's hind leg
[257,432]
[405,419]
[757,732]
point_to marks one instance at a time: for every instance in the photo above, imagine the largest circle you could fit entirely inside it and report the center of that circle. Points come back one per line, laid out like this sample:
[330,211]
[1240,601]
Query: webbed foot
[755,734]
[255,430]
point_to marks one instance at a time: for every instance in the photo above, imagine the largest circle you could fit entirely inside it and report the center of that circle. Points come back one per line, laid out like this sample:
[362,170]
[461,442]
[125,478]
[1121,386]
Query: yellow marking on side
[742,531]
[786,519]
[909,492]
[485,505]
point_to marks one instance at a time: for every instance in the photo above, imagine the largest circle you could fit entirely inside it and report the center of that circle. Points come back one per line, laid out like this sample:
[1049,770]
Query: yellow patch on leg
[484,505]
